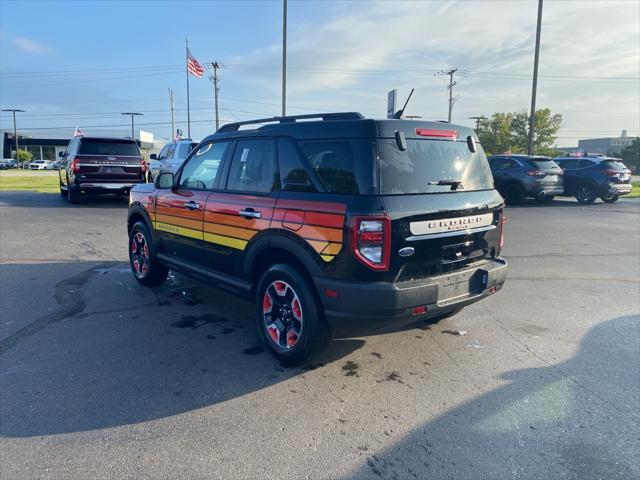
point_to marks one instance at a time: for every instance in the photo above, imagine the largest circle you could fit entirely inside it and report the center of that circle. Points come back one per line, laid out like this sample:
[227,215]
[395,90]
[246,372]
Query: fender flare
[137,209]
[289,242]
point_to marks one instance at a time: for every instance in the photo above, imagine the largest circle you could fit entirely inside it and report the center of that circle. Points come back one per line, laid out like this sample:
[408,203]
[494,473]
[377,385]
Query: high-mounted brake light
[75,165]
[428,132]
[371,241]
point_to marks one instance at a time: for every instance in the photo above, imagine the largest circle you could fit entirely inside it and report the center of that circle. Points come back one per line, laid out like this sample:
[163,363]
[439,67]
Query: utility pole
[452,100]
[133,114]
[478,120]
[284,58]
[15,131]
[216,89]
[532,117]
[173,114]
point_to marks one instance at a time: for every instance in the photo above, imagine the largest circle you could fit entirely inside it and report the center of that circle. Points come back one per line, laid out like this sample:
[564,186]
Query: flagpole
[186,64]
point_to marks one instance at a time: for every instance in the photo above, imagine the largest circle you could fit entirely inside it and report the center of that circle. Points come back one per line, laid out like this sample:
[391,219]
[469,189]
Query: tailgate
[105,169]
[443,232]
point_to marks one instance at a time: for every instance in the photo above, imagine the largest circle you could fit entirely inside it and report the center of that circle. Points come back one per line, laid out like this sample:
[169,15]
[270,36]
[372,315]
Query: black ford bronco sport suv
[331,223]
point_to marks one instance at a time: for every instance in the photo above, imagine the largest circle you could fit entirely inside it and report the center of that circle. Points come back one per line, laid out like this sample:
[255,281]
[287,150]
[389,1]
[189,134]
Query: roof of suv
[335,125]
[521,156]
[107,139]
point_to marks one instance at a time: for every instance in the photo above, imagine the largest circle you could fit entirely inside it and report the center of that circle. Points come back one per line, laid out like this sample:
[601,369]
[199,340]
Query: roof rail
[232,127]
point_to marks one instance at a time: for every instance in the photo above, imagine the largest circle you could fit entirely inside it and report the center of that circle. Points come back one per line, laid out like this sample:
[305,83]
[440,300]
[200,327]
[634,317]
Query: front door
[242,213]
[180,210]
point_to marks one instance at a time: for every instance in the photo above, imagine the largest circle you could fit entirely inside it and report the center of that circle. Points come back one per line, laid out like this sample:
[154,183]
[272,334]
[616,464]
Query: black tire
[544,199]
[73,195]
[514,194]
[291,339]
[144,263]
[149,177]
[613,199]
[586,194]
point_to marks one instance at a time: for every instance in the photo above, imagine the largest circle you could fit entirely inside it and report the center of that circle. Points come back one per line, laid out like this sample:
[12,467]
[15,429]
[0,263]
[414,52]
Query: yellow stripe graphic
[226,241]
[185,232]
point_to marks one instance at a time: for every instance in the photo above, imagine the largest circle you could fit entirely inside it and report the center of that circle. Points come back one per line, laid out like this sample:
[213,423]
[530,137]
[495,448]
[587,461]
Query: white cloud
[31,46]
[579,39]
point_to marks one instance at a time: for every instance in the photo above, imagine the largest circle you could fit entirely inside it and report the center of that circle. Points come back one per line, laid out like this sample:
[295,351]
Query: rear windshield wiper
[454,182]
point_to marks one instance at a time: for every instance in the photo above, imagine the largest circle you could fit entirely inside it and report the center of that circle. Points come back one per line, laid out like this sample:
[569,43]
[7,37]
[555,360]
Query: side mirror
[61,154]
[153,156]
[164,180]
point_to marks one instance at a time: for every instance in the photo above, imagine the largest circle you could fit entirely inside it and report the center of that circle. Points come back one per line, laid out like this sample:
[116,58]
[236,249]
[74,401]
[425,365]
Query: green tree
[631,154]
[24,156]
[495,133]
[510,132]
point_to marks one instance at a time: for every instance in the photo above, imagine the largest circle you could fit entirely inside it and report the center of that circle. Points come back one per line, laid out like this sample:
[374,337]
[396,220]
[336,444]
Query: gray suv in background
[170,157]
[517,177]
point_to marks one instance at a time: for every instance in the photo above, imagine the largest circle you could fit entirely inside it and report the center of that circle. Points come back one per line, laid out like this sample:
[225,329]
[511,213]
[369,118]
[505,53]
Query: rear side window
[342,166]
[501,163]
[571,163]
[542,163]
[253,168]
[293,175]
[184,149]
[585,163]
[91,146]
[424,163]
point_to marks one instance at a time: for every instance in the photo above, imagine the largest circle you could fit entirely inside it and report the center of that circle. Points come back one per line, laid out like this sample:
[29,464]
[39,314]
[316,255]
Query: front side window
[170,152]
[203,168]
[343,166]
[253,168]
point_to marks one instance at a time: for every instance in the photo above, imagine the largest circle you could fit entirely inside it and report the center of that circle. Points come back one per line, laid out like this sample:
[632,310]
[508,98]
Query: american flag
[193,66]
[78,132]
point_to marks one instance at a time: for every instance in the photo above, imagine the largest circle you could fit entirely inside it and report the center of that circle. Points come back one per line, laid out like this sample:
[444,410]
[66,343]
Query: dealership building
[47,147]
[602,146]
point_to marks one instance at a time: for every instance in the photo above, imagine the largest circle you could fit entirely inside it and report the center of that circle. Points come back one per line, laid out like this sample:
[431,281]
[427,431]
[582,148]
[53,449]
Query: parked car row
[520,176]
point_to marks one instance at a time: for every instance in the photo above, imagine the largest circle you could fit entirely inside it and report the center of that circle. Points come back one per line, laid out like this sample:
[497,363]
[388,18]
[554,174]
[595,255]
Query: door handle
[191,205]
[249,213]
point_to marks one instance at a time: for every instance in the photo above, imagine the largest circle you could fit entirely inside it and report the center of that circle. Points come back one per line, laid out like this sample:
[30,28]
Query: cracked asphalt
[102,378]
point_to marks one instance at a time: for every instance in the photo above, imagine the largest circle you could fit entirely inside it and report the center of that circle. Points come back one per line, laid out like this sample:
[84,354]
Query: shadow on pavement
[48,200]
[576,420]
[116,353]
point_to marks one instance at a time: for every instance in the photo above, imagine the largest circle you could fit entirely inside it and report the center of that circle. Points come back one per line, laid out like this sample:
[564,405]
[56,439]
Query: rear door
[501,168]
[103,160]
[445,214]
[242,212]
[180,210]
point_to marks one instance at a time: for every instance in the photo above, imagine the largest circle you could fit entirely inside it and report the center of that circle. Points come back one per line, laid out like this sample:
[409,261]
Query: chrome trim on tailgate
[468,231]
[442,225]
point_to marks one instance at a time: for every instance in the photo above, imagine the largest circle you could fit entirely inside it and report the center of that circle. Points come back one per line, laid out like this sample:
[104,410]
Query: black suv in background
[521,176]
[100,165]
[329,222]
[588,178]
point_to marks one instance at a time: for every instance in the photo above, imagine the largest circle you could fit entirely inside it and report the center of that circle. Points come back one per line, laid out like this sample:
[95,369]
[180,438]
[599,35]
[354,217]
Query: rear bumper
[547,190]
[105,187]
[366,307]
[619,188]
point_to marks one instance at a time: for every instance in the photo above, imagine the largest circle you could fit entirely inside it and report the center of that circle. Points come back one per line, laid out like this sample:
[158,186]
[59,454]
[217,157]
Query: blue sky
[81,63]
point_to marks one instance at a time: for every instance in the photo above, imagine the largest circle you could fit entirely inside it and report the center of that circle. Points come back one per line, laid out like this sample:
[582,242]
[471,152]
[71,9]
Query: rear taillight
[613,173]
[371,241]
[536,173]
[503,220]
[143,165]
[75,165]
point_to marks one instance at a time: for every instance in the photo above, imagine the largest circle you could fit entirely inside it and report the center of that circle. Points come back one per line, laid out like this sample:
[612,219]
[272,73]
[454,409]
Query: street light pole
[133,114]
[15,131]
[532,117]
[284,58]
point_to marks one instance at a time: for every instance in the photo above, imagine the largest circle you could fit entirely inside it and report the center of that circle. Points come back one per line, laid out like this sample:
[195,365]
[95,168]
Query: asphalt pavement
[103,378]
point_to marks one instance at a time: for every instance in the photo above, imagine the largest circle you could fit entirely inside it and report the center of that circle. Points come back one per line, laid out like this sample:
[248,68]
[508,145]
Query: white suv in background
[42,165]
[170,157]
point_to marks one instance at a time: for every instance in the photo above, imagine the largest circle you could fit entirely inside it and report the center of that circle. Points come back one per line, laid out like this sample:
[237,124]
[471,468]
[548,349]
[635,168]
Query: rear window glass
[90,146]
[542,163]
[184,149]
[614,165]
[425,162]
[343,166]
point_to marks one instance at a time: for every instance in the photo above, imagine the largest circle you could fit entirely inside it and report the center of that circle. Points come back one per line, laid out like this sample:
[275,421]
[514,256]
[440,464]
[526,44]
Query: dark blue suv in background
[588,178]
[517,177]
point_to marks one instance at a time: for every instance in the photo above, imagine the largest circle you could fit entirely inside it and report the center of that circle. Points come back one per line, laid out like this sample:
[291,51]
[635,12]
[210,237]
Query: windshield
[95,146]
[543,163]
[424,163]
[614,165]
